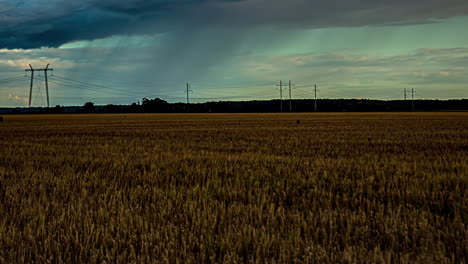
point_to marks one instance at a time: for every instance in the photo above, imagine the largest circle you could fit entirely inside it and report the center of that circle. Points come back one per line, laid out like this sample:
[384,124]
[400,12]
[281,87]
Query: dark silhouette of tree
[89,107]
[156,105]
[57,110]
[110,108]
[134,108]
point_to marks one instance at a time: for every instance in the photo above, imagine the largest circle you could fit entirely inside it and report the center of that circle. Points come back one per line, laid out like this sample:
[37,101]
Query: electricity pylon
[45,70]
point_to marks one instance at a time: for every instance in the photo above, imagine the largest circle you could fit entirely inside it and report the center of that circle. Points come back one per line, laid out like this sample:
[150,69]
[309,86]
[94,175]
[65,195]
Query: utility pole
[188,91]
[404,92]
[45,70]
[281,95]
[31,86]
[315,92]
[47,84]
[290,98]
[412,99]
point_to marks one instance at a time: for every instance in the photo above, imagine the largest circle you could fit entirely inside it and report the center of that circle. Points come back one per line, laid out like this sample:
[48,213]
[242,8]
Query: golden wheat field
[234,188]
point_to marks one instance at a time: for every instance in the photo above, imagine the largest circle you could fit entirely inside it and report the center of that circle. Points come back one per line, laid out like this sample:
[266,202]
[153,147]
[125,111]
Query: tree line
[158,105]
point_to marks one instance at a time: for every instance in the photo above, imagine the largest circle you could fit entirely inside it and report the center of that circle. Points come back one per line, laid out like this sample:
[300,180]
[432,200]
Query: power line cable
[137,82]
[93,85]
[58,82]
[12,80]
[76,86]
[80,83]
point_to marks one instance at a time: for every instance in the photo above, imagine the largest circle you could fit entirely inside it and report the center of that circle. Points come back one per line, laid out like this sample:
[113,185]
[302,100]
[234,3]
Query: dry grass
[336,188]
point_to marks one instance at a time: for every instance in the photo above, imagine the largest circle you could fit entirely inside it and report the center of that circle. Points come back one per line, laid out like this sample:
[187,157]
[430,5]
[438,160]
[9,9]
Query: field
[230,188]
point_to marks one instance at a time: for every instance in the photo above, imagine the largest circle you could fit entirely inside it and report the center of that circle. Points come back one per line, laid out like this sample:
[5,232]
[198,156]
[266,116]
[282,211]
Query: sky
[120,51]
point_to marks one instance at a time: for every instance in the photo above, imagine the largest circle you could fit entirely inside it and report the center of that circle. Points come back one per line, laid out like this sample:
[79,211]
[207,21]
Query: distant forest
[158,105]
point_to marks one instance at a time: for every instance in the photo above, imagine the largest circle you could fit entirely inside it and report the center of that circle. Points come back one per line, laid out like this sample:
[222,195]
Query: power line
[98,88]
[133,82]
[300,91]
[92,85]
[95,86]
[264,93]
[12,80]
[301,95]
[152,85]
[149,83]
[76,86]
[12,83]
[58,82]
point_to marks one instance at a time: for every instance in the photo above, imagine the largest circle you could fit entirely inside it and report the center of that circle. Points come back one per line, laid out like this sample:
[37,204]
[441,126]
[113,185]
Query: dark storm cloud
[51,23]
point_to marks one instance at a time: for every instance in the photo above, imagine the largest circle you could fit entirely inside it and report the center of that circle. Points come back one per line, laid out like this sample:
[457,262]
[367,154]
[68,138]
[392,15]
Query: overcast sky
[119,51]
